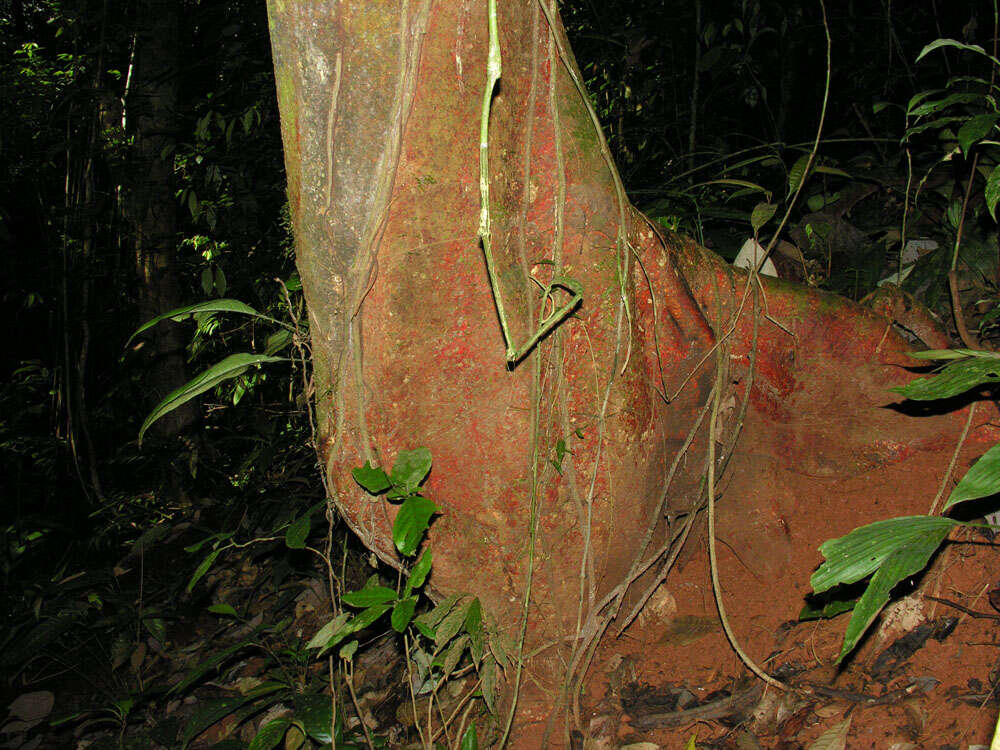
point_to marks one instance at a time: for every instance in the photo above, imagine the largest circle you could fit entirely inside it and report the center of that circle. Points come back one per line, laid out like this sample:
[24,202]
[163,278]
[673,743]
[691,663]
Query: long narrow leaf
[982,480]
[411,523]
[858,554]
[230,367]
[905,561]
[270,735]
[956,377]
[214,661]
[937,43]
[179,313]
[207,714]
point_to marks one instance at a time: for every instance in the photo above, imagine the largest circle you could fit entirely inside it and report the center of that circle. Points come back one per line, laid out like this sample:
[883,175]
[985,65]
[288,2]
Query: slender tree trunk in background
[380,104]
[151,120]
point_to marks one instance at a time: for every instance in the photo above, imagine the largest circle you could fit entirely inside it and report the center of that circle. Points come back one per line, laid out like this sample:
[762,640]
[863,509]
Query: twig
[954,458]
[956,303]
[966,610]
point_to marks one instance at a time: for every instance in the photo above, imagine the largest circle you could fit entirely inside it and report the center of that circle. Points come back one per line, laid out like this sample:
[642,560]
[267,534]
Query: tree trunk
[151,111]
[564,481]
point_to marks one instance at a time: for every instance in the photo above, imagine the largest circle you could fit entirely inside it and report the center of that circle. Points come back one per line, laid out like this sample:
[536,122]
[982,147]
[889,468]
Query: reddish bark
[380,122]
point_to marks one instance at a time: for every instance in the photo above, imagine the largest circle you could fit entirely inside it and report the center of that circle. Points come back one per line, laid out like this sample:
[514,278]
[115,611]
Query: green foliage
[966,369]
[892,550]
[402,485]
[228,369]
[445,634]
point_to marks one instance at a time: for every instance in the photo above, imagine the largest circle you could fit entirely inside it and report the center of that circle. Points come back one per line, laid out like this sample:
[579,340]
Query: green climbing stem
[569,285]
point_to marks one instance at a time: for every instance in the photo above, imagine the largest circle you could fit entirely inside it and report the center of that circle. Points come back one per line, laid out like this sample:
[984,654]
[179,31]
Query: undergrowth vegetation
[195,587]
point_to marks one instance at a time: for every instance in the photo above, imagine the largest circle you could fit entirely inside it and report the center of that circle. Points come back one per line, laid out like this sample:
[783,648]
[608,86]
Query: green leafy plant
[229,368]
[309,714]
[437,639]
[894,549]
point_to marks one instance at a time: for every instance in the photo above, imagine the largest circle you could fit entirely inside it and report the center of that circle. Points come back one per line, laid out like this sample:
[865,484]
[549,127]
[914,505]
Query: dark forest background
[141,171]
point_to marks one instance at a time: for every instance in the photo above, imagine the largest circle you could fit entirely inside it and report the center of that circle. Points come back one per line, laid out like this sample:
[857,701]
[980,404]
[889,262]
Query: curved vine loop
[514,354]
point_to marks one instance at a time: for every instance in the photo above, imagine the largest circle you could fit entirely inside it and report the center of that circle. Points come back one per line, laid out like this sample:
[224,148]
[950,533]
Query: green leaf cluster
[452,629]
[229,368]
[892,550]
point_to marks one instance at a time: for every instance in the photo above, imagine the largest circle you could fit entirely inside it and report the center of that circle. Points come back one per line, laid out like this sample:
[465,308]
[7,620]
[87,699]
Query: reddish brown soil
[941,696]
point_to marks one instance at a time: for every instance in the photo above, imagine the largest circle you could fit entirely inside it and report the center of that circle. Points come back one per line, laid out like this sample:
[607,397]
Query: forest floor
[927,676]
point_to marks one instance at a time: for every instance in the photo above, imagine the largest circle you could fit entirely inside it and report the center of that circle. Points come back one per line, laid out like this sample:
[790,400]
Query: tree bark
[568,477]
[151,112]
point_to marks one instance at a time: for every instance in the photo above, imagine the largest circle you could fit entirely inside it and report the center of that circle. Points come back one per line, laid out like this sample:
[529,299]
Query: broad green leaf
[921,96]
[325,633]
[230,367]
[411,523]
[367,617]
[371,478]
[452,655]
[358,622]
[907,559]
[425,630]
[432,618]
[316,714]
[348,650]
[223,609]
[156,628]
[220,281]
[368,596]
[202,568]
[951,354]
[938,43]
[450,626]
[200,670]
[928,108]
[936,124]
[402,613]
[418,573]
[207,714]
[710,59]
[982,480]
[488,678]
[411,468]
[266,688]
[975,129]
[498,648]
[207,283]
[954,378]
[295,536]
[829,609]
[277,341]
[992,191]
[180,313]
[861,552]
[28,644]
[834,171]
[469,740]
[474,627]
[797,174]
[761,214]
[270,735]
